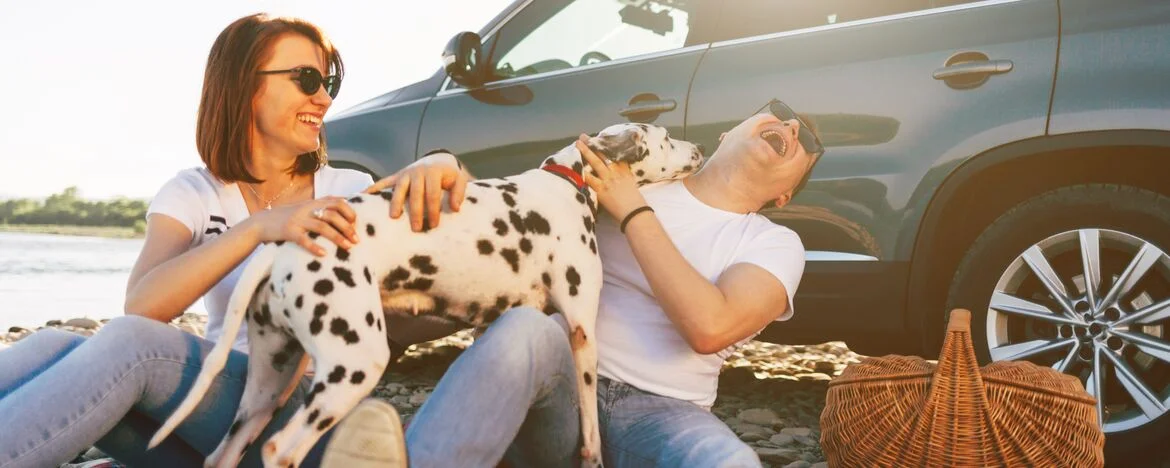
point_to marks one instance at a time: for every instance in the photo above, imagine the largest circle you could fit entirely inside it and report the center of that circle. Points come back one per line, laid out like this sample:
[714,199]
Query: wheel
[1079,279]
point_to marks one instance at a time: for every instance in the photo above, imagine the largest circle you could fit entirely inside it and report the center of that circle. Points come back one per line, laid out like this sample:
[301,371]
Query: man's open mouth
[774,140]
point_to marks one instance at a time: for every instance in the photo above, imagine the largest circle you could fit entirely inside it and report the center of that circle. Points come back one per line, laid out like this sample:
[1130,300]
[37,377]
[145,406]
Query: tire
[1124,220]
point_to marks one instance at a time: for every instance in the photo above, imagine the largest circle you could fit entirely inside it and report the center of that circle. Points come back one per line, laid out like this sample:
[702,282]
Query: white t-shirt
[209,207]
[637,342]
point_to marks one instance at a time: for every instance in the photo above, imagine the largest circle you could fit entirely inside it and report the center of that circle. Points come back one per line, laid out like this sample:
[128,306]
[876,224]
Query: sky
[103,95]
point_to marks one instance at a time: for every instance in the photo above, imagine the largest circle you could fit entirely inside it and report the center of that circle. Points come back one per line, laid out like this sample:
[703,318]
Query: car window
[583,32]
[747,18]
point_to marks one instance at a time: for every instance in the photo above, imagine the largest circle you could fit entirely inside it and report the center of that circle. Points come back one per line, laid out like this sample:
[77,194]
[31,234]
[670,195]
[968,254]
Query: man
[690,271]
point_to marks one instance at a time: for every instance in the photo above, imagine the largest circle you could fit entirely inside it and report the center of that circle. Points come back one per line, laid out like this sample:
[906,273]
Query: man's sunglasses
[809,140]
[311,80]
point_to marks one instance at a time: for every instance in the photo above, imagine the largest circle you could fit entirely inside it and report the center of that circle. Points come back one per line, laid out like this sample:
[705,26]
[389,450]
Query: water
[45,277]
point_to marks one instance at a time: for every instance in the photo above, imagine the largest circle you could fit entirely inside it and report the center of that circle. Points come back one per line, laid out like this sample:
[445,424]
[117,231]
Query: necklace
[268,204]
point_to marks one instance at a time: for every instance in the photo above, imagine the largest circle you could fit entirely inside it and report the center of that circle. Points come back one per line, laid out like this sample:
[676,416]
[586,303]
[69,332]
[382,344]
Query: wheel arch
[986,186]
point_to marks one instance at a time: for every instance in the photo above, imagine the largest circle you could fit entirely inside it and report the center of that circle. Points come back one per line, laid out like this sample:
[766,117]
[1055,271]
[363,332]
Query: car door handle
[985,67]
[648,107]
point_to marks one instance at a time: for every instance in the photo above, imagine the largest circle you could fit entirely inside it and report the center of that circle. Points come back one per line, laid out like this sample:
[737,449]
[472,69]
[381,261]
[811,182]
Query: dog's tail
[251,279]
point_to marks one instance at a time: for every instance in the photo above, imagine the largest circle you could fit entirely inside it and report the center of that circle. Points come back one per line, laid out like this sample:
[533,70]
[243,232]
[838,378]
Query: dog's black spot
[512,257]
[314,265]
[369,278]
[639,173]
[340,327]
[583,240]
[578,167]
[593,245]
[324,424]
[482,184]
[419,284]
[525,245]
[344,275]
[550,257]
[588,220]
[262,282]
[546,278]
[396,276]
[574,280]
[263,317]
[357,377]
[549,309]
[423,264]
[260,332]
[386,194]
[279,243]
[509,187]
[300,301]
[517,221]
[379,322]
[342,254]
[580,198]
[235,428]
[357,199]
[272,287]
[687,168]
[501,227]
[663,169]
[313,416]
[517,303]
[337,375]
[370,319]
[473,199]
[323,287]
[288,277]
[280,358]
[318,388]
[316,325]
[485,247]
[286,314]
[473,311]
[508,200]
[313,235]
[536,223]
[370,230]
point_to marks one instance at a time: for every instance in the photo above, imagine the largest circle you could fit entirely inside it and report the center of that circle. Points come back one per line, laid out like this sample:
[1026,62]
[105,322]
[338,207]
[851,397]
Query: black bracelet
[630,216]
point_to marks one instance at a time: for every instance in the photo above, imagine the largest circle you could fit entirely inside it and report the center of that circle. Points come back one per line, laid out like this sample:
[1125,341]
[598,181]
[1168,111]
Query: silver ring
[319,213]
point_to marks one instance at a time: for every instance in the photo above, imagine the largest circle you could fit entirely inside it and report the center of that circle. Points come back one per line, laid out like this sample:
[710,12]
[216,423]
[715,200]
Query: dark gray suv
[1005,156]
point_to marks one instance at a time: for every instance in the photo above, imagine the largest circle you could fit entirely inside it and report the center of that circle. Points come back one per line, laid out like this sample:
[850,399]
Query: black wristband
[630,216]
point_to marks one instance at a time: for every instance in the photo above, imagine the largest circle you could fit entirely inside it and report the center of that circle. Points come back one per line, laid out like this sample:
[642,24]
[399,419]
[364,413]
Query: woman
[267,86]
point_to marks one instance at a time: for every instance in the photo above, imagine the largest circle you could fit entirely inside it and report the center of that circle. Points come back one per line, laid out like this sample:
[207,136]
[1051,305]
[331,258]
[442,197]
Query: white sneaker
[369,437]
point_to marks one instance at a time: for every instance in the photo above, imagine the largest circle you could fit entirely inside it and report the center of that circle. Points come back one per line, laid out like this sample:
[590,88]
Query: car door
[898,89]
[565,67]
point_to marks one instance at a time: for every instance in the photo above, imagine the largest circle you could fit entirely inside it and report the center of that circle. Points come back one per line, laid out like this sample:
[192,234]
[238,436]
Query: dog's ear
[628,146]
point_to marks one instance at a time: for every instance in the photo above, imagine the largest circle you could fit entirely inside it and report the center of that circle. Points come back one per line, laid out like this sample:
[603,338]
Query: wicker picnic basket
[902,411]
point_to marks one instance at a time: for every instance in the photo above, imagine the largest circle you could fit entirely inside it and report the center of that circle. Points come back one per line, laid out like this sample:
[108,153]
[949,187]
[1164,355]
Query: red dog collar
[566,173]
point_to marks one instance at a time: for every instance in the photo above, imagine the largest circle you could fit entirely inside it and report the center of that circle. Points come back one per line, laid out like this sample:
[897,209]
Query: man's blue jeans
[513,393]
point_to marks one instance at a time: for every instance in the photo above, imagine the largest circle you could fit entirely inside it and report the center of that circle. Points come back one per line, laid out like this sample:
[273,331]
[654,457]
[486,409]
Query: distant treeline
[66,209]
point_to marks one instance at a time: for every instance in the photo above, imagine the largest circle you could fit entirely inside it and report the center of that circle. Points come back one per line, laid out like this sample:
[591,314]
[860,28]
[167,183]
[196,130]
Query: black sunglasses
[809,140]
[311,80]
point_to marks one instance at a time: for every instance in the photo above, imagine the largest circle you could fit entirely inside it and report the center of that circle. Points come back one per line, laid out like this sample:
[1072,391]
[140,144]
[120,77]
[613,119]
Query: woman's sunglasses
[809,140]
[311,80]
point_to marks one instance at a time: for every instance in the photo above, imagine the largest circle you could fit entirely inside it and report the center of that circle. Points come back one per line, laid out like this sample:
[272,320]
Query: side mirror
[461,60]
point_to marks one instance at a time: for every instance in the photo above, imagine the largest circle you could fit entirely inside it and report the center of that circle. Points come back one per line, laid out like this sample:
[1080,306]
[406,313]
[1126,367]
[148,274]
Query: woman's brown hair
[223,130]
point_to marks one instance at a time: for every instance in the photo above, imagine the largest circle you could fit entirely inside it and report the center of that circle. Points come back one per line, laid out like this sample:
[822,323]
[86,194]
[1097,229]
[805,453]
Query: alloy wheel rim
[1095,304]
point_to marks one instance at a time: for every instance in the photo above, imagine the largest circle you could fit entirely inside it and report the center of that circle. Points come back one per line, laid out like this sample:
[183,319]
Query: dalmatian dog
[524,240]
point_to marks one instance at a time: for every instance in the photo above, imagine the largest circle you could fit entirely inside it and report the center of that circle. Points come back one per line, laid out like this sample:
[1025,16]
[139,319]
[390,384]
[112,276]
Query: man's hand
[422,185]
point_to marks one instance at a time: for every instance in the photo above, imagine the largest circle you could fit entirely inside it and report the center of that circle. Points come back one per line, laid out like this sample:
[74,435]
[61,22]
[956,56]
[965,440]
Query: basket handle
[960,321]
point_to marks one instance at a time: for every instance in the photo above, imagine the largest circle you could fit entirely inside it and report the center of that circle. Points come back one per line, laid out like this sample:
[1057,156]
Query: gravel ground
[770,395]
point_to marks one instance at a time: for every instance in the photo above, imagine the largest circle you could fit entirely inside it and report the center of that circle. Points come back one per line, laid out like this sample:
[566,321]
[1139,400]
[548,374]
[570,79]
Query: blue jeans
[60,393]
[513,395]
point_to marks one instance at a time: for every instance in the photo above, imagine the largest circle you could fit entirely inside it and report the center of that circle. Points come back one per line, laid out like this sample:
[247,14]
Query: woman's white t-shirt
[209,207]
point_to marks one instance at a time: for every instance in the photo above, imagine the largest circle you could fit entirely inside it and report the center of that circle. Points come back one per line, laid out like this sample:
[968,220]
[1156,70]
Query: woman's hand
[616,187]
[422,184]
[331,217]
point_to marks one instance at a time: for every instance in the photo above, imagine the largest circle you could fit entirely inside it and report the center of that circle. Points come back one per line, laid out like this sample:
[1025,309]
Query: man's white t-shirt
[209,207]
[637,342]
